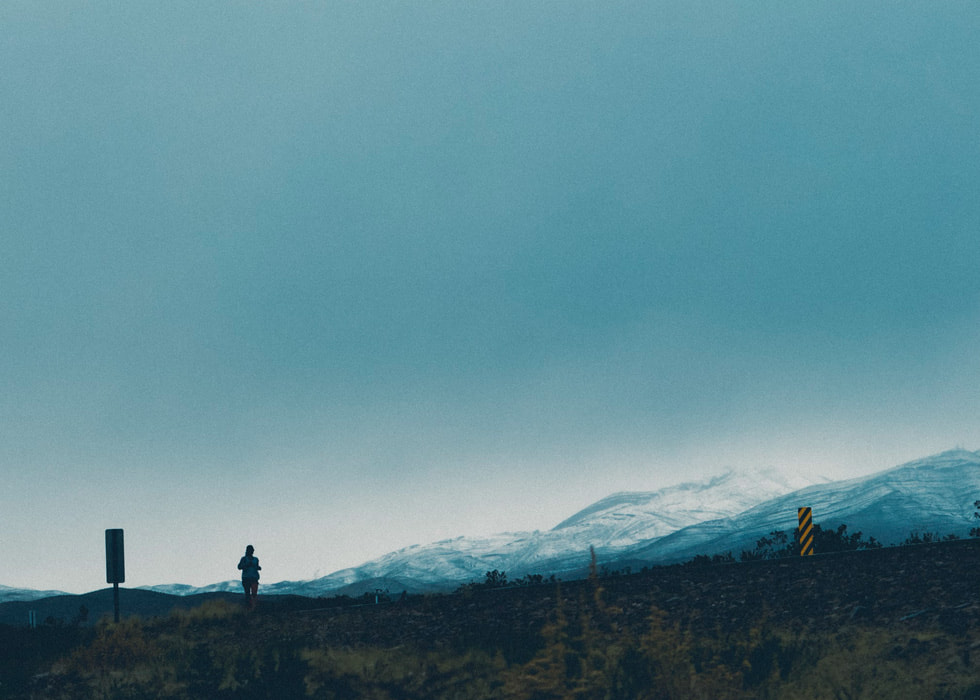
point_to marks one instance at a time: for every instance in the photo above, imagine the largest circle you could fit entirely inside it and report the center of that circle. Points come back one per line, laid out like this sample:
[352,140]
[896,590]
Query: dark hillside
[893,622]
[882,587]
[90,608]
[68,609]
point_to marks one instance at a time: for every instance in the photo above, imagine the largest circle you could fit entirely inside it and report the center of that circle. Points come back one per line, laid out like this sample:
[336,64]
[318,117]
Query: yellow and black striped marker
[806,532]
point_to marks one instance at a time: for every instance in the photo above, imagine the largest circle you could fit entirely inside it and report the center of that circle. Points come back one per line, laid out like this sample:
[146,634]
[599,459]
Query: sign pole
[115,568]
[806,531]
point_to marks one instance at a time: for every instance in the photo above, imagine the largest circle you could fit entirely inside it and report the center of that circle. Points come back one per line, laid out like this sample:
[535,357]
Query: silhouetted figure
[250,568]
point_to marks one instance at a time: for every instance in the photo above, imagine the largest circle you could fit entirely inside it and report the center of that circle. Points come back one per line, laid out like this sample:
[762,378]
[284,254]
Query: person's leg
[254,594]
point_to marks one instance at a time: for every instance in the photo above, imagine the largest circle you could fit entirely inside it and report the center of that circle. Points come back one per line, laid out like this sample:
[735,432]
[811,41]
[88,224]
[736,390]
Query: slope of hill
[612,526]
[8,594]
[727,513]
[730,513]
[623,519]
[894,622]
[89,608]
[935,494]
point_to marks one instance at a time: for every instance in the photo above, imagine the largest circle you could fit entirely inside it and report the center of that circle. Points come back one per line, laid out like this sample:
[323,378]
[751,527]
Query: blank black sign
[115,566]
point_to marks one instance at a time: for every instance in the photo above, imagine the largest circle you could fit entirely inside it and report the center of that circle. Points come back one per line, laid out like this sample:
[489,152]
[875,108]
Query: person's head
[249,550]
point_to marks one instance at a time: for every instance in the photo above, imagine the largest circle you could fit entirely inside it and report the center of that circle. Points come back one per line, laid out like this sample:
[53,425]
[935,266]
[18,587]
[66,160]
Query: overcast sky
[337,278]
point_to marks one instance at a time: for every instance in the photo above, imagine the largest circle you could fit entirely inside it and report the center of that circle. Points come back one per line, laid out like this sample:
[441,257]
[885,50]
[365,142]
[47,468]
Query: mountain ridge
[707,522]
[725,513]
[888,505]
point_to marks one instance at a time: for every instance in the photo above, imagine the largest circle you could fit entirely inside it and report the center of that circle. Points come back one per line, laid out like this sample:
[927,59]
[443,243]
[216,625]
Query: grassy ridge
[887,623]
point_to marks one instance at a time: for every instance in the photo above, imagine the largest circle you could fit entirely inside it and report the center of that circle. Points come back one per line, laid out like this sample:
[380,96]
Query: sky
[336,278]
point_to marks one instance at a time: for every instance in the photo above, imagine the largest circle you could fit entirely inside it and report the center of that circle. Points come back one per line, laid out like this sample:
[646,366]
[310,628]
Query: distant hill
[893,622]
[935,494]
[8,594]
[67,609]
[614,526]
[728,513]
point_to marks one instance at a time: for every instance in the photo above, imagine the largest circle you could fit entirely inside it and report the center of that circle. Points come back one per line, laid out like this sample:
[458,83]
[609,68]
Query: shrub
[116,647]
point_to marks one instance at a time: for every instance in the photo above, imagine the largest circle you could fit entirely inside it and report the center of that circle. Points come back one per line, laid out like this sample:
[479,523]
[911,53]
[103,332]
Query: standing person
[250,568]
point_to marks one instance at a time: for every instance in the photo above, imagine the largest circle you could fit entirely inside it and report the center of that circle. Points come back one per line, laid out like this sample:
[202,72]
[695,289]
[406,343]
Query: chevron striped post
[805,531]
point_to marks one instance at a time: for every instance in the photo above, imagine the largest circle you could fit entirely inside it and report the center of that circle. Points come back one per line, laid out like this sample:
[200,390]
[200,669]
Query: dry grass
[760,632]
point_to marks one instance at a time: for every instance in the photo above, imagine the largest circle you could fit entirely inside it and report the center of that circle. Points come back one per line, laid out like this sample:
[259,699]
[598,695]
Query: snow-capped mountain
[186,589]
[8,594]
[728,513]
[623,519]
[613,526]
[935,495]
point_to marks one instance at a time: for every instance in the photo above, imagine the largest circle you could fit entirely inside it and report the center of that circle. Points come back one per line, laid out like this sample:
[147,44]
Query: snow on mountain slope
[232,586]
[727,513]
[934,494]
[612,526]
[8,594]
[623,519]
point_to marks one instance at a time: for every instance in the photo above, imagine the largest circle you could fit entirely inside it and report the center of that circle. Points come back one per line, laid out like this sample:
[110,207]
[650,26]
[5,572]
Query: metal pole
[115,567]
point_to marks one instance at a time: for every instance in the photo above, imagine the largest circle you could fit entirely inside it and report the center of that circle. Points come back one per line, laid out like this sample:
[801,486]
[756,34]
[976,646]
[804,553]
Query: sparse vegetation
[885,623]
[778,544]
[927,537]
[498,579]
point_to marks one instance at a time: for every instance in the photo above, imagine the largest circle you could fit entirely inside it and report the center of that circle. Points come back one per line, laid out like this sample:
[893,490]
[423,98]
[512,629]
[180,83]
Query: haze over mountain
[334,279]
[9,594]
[726,513]
[934,494]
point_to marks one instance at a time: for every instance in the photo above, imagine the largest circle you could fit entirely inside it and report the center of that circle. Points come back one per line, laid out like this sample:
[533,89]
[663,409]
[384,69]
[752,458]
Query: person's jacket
[250,567]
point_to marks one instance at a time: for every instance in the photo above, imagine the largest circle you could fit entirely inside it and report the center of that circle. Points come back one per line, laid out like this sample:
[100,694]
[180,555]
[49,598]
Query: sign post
[806,531]
[115,568]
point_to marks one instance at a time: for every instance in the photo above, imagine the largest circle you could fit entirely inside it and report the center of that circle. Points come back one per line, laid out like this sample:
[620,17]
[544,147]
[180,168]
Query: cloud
[496,247]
